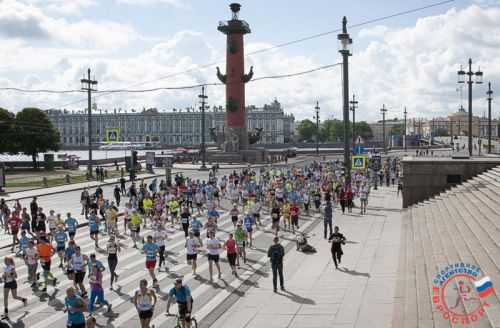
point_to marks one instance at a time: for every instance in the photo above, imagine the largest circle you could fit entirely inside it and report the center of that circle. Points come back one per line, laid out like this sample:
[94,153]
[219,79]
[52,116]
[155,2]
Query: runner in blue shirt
[75,306]
[196,227]
[248,223]
[213,214]
[23,243]
[151,249]
[61,238]
[94,228]
[182,294]
[71,225]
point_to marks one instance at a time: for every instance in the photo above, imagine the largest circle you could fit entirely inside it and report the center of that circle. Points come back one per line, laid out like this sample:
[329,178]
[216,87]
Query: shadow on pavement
[354,272]
[297,298]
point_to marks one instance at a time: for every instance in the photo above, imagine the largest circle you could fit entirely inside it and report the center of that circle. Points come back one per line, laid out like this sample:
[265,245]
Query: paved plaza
[359,294]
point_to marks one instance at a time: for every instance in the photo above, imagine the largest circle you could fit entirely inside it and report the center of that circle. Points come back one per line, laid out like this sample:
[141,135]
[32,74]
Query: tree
[364,130]
[306,130]
[7,137]
[332,130]
[35,133]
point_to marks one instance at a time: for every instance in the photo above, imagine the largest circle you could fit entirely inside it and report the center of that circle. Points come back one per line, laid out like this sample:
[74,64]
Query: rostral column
[235,78]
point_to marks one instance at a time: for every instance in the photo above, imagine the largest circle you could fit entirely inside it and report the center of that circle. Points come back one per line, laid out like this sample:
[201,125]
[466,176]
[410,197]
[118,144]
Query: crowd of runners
[253,197]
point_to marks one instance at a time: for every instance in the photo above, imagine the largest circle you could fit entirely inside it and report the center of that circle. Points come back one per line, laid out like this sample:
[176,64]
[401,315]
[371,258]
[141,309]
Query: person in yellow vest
[147,204]
[173,205]
[135,226]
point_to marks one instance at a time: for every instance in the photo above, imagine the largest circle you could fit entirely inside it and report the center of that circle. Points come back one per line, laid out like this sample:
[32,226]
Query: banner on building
[112,135]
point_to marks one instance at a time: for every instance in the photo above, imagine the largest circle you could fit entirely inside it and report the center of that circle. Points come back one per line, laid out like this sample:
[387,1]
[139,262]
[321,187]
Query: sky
[406,61]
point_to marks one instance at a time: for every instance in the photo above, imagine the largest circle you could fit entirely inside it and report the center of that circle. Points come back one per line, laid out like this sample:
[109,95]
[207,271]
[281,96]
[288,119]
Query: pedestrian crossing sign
[359,162]
[112,135]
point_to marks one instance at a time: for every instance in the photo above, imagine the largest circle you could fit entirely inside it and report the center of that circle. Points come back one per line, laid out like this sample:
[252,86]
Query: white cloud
[176,3]
[373,32]
[28,22]
[63,7]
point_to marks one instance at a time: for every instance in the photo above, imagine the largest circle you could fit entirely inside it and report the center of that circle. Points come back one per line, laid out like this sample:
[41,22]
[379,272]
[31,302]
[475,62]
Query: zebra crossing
[45,309]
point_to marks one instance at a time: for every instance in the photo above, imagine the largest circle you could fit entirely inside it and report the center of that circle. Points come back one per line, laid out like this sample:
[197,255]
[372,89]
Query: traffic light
[134,159]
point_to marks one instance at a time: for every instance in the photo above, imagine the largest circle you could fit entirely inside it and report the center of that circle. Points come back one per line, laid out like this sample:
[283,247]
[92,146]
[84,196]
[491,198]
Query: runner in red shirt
[14,223]
[230,246]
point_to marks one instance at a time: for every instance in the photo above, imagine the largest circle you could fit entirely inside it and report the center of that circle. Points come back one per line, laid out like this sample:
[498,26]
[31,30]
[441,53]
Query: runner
[31,260]
[135,227]
[112,248]
[94,228]
[182,294]
[249,223]
[275,216]
[10,285]
[286,215]
[151,249]
[230,246]
[45,252]
[145,301]
[79,263]
[14,222]
[185,217]
[363,197]
[294,213]
[75,306]
[213,247]
[241,237]
[159,237]
[337,239]
[61,238]
[192,245]
[71,225]
[234,214]
[96,290]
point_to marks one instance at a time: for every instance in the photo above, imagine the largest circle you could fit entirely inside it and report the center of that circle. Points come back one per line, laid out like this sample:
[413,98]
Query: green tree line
[331,130]
[29,132]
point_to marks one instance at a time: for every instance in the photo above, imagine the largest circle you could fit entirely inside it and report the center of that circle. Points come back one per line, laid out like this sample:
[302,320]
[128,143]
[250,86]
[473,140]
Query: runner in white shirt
[159,237]
[192,245]
[51,220]
[214,247]
[31,260]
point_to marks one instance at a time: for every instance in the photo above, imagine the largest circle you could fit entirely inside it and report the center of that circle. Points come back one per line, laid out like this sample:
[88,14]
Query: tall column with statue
[235,133]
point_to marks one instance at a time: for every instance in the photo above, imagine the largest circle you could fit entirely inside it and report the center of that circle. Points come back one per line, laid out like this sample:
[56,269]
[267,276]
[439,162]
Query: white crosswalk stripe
[41,314]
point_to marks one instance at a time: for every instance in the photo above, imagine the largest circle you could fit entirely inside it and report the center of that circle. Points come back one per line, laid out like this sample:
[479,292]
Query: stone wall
[424,178]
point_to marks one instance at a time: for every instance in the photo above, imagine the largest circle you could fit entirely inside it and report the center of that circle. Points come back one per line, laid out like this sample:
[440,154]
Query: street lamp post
[203,149]
[354,105]
[461,79]
[383,110]
[317,128]
[404,132]
[89,85]
[345,42]
[489,93]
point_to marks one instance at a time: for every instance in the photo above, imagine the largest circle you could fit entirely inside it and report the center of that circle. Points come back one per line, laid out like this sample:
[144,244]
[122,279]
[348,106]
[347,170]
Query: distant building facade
[176,128]
[456,124]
